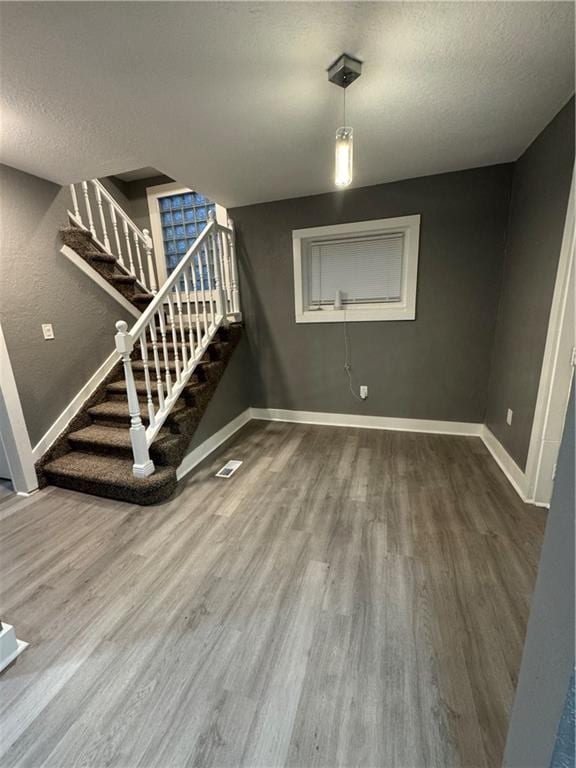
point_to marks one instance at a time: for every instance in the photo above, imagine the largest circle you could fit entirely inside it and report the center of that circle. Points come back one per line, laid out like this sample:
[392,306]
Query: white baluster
[174,338]
[159,384]
[139,258]
[202,281]
[182,331]
[128,247]
[189,313]
[143,464]
[119,255]
[196,310]
[102,219]
[88,208]
[149,400]
[209,256]
[75,203]
[168,376]
[150,260]
[220,298]
[233,269]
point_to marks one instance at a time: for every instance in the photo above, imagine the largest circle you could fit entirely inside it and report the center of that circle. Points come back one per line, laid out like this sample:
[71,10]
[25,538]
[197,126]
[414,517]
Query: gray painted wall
[548,658]
[232,395]
[435,367]
[136,194]
[540,191]
[39,285]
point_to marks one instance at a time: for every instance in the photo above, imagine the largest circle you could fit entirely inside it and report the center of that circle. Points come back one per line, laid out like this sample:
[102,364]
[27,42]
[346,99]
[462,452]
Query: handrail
[174,278]
[200,296]
[125,238]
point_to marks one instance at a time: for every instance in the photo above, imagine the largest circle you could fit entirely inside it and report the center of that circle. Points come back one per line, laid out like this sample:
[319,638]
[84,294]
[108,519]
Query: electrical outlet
[509,415]
[363,391]
[48,331]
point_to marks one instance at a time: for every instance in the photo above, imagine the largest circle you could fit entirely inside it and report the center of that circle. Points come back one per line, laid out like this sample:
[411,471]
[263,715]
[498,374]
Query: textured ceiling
[233,98]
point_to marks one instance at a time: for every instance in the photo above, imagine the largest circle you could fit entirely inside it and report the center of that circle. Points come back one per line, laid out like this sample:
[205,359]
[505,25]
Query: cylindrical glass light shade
[343,172]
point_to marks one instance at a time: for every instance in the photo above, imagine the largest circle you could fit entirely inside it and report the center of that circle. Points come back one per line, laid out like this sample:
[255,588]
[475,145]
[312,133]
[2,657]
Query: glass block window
[183,217]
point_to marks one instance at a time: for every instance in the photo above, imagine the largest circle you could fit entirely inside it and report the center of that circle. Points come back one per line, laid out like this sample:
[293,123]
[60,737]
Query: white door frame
[14,433]
[557,371]
[152,194]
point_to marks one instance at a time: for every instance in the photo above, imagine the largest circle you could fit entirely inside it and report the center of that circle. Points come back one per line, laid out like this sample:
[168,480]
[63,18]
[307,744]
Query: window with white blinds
[358,271]
[363,269]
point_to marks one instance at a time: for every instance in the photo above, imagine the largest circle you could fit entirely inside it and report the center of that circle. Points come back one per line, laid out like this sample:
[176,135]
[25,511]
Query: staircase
[131,435]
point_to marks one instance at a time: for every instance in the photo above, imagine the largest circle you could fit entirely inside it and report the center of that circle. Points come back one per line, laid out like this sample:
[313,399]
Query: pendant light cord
[344,108]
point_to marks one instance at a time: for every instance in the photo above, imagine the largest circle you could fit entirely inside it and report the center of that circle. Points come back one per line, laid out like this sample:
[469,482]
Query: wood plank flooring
[349,598]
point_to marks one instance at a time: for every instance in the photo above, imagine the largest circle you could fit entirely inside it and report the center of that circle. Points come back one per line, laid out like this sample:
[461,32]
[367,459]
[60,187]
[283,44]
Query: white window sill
[368,314]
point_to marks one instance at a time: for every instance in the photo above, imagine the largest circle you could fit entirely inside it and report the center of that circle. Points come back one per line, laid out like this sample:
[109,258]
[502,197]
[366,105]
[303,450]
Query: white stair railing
[114,231]
[199,296]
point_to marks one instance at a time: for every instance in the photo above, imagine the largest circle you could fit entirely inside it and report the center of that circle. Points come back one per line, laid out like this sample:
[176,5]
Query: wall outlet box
[509,415]
[363,391]
[48,331]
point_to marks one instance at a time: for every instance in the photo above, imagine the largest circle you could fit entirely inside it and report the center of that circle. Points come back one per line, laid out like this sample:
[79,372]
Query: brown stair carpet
[94,455]
[81,241]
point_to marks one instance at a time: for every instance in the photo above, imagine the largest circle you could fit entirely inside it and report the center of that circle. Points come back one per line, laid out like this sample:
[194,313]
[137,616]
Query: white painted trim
[10,646]
[74,406]
[549,388]
[470,429]
[14,432]
[402,310]
[515,475]
[215,441]
[100,281]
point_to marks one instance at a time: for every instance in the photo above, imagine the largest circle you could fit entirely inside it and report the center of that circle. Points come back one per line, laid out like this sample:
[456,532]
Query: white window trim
[152,195]
[404,310]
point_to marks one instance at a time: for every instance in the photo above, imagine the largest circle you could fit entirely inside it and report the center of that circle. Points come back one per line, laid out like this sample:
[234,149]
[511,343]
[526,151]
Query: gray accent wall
[540,190]
[548,657]
[231,398]
[435,367]
[40,285]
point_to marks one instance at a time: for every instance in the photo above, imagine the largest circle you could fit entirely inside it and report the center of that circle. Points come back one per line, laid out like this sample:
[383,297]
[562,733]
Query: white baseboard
[74,406]
[97,278]
[215,441]
[515,475]
[512,471]
[470,429]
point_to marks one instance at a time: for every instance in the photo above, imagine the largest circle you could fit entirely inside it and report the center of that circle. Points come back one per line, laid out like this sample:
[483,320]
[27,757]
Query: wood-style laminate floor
[348,598]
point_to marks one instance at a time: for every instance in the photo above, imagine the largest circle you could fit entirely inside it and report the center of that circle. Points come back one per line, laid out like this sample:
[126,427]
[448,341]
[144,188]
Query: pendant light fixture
[343,72]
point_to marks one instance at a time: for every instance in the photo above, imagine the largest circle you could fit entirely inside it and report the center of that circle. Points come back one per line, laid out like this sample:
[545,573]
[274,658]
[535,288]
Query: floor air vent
[228,469]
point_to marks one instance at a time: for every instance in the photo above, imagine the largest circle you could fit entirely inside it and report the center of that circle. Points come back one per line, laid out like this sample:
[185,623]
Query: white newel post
[234,269]
[218,287]
[143,464]
[150,261]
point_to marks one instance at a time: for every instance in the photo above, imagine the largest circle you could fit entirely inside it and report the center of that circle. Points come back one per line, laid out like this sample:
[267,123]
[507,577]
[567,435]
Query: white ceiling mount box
[228,469]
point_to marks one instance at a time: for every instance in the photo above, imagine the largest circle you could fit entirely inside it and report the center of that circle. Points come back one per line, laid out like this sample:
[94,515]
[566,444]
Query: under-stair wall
[39,285]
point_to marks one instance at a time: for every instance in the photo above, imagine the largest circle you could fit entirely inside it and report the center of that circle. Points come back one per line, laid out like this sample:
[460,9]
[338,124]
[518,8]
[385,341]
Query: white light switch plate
[363,391]
[509,415]
[47,330]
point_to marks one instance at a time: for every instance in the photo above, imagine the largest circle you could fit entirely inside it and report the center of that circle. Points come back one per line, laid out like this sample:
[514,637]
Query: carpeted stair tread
[110,476]
[122,279]
[98,438]
[114,437]
[119,387]
[101,256]
[118,410]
